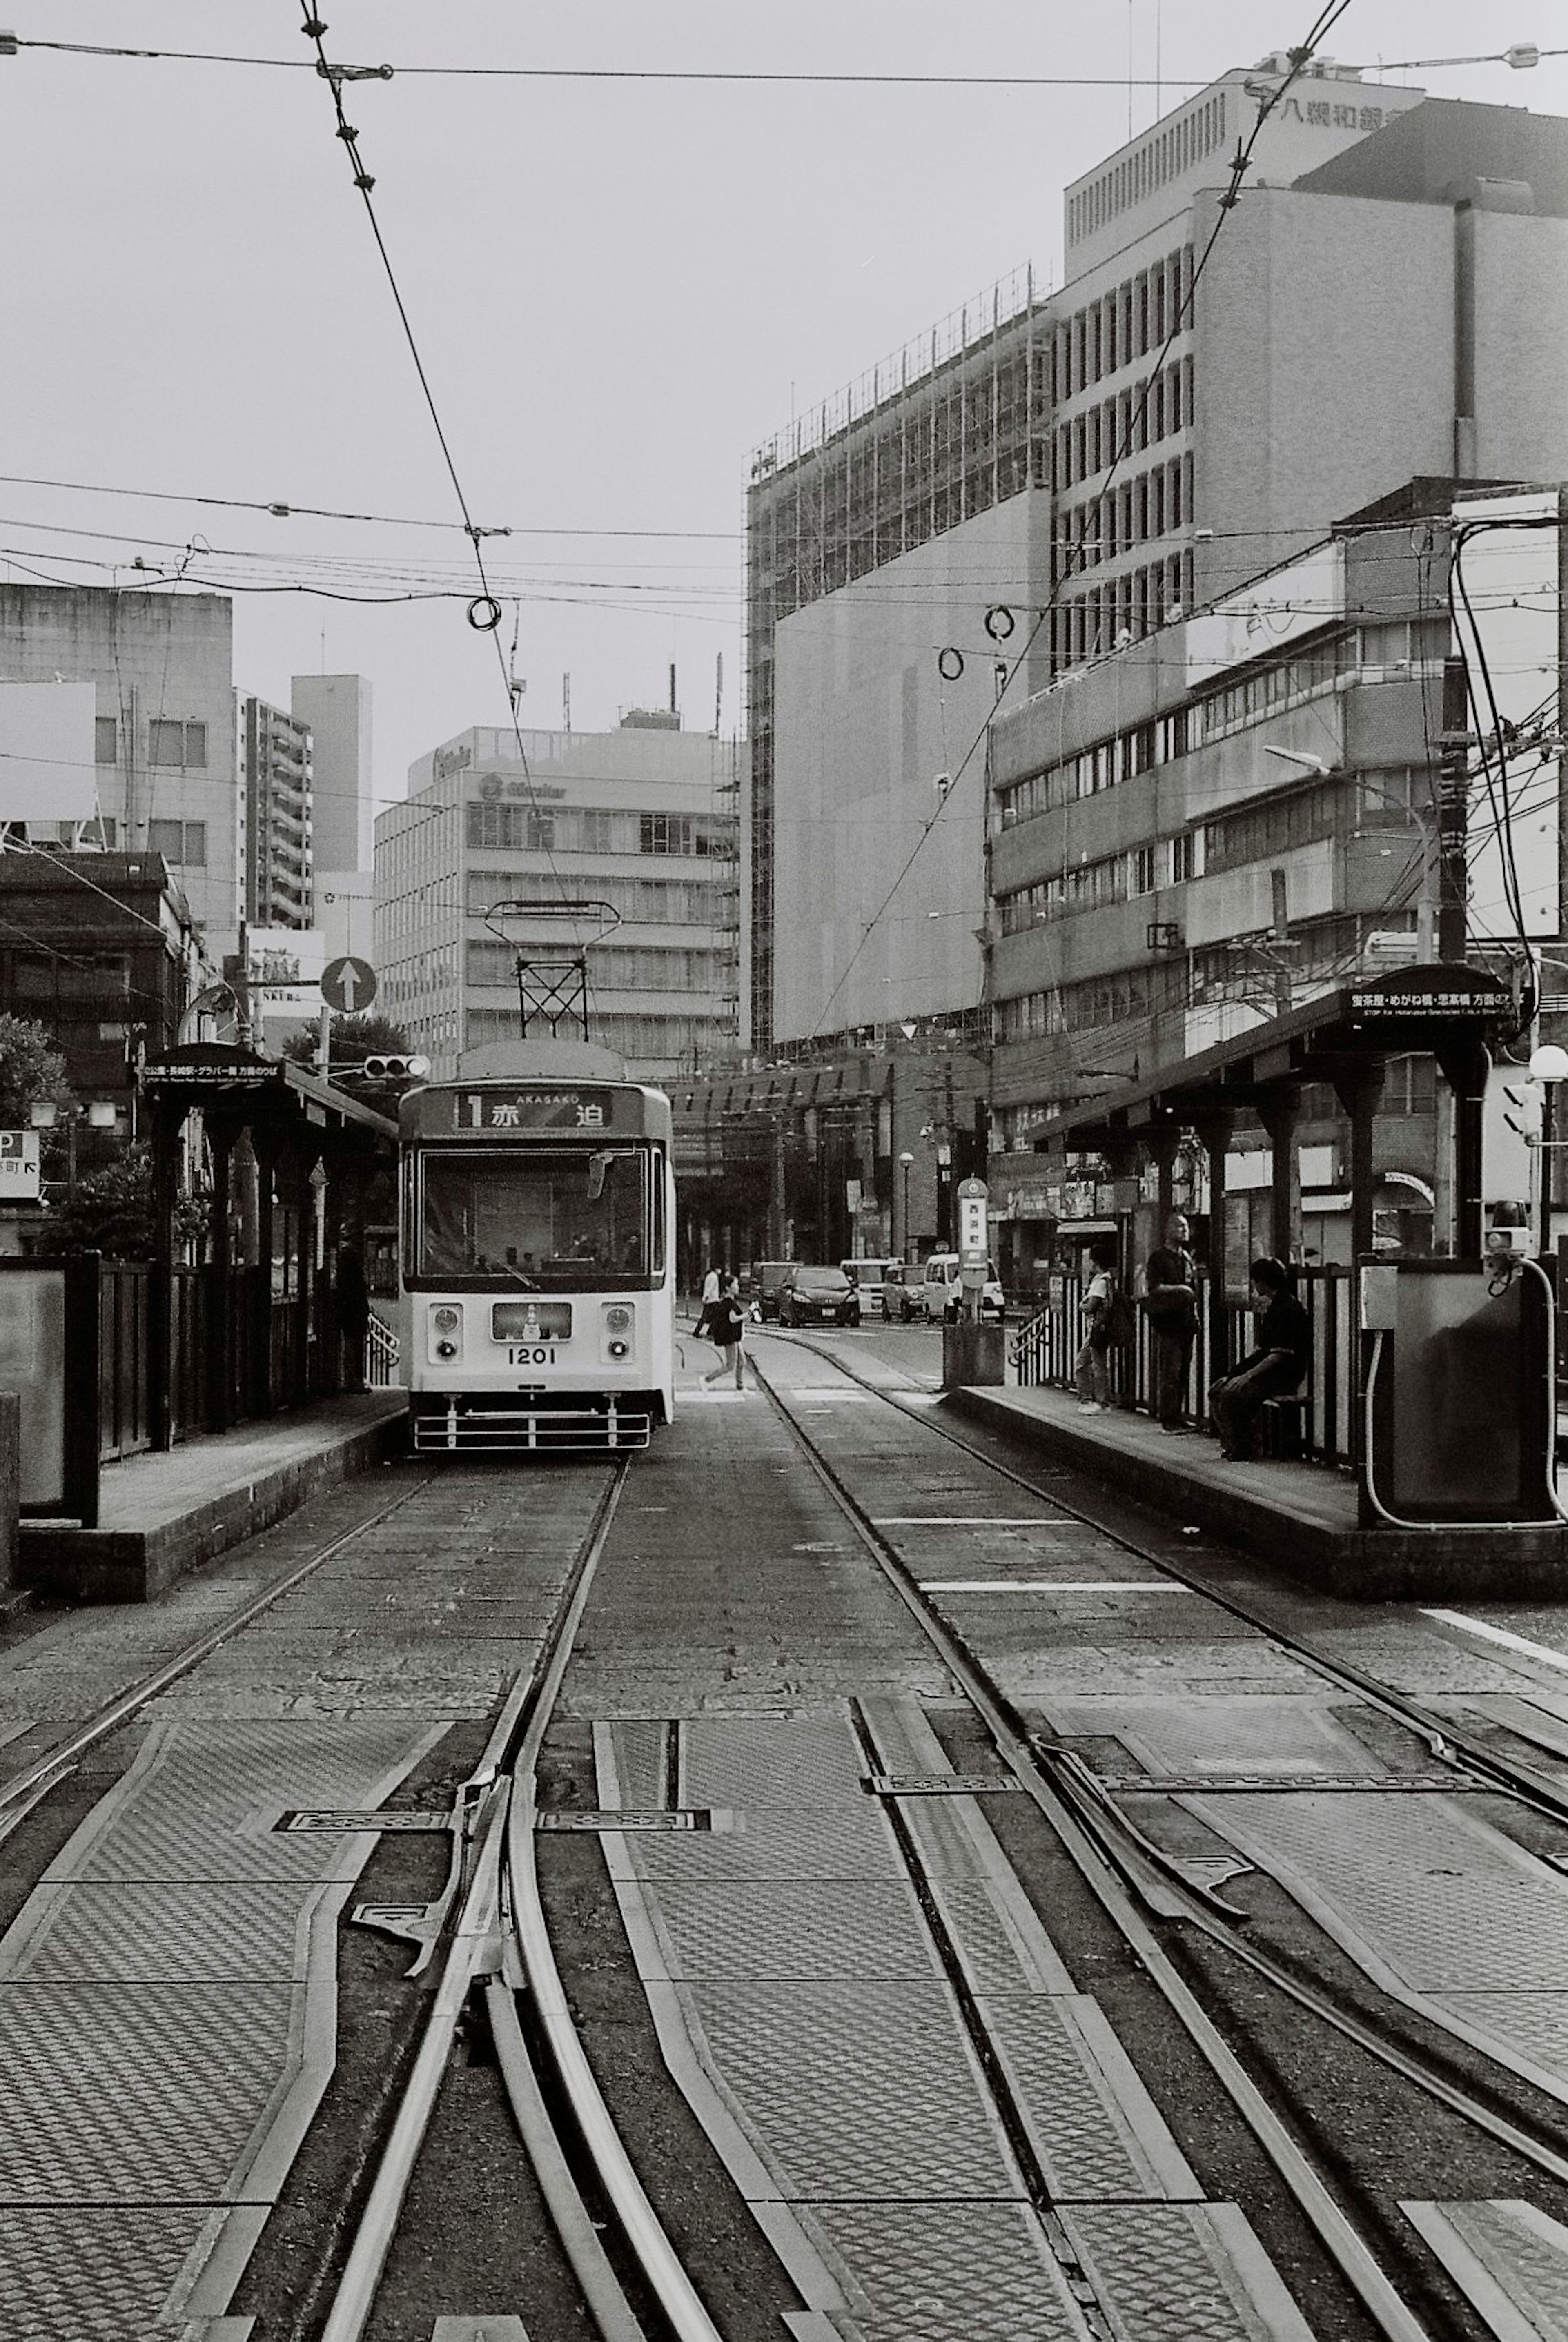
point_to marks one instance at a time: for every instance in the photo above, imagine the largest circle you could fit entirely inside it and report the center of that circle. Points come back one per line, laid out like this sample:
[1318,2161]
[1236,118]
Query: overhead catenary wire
[1138,409]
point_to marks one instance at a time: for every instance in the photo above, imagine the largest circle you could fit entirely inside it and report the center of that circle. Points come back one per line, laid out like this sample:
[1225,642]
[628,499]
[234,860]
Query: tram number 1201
[527,1355]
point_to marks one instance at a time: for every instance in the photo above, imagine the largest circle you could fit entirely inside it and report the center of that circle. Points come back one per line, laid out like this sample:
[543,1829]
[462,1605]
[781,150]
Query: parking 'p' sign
[348,985]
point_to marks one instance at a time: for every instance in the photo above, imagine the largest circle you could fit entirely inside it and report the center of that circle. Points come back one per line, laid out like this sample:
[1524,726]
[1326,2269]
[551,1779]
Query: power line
[632,73]
[279,509]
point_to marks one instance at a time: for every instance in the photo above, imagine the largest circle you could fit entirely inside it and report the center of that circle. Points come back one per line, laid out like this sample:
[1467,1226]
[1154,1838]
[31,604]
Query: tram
[536,1254]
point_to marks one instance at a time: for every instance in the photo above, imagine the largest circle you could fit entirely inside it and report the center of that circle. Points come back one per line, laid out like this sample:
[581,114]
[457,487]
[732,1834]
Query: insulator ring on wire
[950,663]
[1000,622]
[484,614]
[313,28]
[363,179]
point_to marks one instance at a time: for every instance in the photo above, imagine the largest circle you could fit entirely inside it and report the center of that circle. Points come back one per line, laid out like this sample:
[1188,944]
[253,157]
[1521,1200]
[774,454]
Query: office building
[1388,297]
[162,666]
[640,823]
[336,707]
[274,751]
[1240,812]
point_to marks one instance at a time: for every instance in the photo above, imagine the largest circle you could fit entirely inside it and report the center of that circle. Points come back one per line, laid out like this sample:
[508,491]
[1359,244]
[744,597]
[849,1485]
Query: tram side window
[552,1223]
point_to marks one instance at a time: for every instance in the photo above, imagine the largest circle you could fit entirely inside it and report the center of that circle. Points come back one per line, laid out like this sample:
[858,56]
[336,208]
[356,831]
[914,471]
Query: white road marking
[965,1521]
[1048,1585]
[1500,1634]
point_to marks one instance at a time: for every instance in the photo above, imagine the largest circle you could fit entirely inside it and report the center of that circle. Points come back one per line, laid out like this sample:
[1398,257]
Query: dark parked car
[818,1296]
[764,1284]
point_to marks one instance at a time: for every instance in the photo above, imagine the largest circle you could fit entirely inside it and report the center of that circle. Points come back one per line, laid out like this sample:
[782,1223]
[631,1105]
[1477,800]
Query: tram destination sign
[460,1112]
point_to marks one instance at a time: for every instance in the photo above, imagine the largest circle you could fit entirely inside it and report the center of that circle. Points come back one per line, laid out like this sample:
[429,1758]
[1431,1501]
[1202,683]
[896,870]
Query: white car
[940,1295]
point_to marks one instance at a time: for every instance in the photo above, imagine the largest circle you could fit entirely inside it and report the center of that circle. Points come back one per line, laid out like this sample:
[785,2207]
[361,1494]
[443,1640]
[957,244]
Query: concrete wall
[1325,371]
[864,723]
[151,656]
[337,709]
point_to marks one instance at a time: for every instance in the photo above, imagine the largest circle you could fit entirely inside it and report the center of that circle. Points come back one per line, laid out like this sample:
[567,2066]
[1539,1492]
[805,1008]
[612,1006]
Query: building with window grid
[163,667]
[642,820]
[1387,298]
[275,763]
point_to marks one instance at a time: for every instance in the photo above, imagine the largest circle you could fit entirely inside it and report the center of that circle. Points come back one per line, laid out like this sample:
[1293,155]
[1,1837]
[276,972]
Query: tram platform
[160,1515]
[1301,1518]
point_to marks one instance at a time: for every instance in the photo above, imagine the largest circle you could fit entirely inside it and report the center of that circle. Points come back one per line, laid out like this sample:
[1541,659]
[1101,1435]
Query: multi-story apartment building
[642,820]
[162,668]
[275,762]
[1062,475]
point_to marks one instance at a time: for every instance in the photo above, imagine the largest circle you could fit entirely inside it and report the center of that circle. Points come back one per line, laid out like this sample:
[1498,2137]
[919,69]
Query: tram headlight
[618,1325]
[445,1330]
[618,1317]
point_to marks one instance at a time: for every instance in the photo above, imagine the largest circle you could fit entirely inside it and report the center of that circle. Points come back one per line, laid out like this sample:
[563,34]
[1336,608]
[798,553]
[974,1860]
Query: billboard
[48,769]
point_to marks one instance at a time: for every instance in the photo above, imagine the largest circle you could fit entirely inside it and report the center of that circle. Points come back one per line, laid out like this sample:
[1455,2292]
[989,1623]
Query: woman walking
[726,1326]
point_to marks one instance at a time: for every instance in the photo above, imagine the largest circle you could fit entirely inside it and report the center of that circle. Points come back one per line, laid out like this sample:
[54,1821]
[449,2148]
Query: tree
[112,1212]
[32,1071]
[354,1038]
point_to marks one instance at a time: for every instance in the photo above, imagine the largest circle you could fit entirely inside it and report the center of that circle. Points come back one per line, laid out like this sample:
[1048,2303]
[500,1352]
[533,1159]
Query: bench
[1282,1428]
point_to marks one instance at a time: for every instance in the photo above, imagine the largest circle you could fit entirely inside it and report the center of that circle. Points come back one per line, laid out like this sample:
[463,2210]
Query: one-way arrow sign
[348,985]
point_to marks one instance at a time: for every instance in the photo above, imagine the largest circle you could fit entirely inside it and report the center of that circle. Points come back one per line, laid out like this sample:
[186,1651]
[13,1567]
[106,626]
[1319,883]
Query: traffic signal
[1523,1102]
[392,1068]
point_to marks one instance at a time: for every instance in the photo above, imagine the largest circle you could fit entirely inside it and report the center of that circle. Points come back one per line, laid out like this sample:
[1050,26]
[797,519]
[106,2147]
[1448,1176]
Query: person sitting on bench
[1272,1370]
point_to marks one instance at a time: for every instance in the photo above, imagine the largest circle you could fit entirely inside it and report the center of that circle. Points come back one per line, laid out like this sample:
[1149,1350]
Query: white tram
[537,1253]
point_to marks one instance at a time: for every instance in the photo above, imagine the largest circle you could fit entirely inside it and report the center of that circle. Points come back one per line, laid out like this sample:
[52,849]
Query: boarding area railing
[1045,1350]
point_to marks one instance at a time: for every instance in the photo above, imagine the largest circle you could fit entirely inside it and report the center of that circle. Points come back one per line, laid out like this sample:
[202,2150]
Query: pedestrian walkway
[161,1514]
[1304,1518]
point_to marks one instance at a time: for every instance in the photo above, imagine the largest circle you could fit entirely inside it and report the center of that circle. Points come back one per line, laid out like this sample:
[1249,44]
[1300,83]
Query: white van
[942,1293]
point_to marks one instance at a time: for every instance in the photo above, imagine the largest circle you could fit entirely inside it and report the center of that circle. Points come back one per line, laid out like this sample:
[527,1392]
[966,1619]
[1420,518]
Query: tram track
[1160,1913]
[24,1790]
[494,1950]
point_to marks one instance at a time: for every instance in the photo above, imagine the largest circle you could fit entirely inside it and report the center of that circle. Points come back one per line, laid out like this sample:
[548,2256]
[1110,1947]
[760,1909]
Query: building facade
[276,765]
[162,666]
[101,949]
[641,821]
[1388,297]
[1243,810]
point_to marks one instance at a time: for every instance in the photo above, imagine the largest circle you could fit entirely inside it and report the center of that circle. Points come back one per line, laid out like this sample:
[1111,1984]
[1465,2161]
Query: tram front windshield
[567,1222]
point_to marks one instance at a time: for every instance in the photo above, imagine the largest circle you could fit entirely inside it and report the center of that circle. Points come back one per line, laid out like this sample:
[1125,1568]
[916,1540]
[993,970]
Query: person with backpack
[726,1326]
[1091,1372]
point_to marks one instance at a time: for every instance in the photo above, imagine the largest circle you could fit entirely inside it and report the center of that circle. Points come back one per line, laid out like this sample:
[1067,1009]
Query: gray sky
[618,288]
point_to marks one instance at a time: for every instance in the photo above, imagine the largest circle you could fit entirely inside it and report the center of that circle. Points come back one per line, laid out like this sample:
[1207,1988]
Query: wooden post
[1358,1088]
[1279,1110]
[1214,1130]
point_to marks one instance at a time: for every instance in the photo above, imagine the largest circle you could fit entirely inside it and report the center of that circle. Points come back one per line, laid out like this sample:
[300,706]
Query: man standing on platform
[1171,1305]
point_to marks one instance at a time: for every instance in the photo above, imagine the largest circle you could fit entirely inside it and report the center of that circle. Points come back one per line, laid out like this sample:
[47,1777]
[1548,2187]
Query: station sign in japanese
[496,1113]
[1435,991]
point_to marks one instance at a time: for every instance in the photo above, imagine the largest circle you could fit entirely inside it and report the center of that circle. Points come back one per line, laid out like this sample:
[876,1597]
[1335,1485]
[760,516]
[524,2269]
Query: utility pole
[1454,774]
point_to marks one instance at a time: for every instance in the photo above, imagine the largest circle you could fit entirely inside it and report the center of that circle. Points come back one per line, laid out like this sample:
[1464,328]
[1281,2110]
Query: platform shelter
[286,1162]
[1345,1038]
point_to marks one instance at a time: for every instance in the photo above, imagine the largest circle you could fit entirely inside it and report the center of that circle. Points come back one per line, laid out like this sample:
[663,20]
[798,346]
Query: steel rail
[1448,1743]
[1292,2160]
[473,1941]
[1134,1853]
[23,1791]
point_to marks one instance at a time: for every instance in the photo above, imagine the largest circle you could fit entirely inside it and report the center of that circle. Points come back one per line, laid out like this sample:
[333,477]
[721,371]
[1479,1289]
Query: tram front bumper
[471,1422]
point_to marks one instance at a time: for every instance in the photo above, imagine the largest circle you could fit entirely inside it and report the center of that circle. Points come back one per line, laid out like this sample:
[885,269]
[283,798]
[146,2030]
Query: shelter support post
[168,1123]
[1214,1130]
[1279,1111]
[1359,1087]
[221,1329]
[1464,1062]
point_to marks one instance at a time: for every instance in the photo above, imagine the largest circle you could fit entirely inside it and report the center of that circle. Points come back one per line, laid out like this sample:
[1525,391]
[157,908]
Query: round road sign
[348,985]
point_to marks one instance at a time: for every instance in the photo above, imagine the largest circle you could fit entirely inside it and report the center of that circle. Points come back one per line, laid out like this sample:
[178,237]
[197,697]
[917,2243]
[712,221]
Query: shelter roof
[1429,1009]
[256,1089]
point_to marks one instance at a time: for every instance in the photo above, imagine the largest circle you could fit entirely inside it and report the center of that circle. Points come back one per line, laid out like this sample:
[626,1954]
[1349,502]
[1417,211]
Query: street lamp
[907,1161]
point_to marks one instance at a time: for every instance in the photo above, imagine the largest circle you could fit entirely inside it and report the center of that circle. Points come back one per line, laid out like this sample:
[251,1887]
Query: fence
[1044,1351]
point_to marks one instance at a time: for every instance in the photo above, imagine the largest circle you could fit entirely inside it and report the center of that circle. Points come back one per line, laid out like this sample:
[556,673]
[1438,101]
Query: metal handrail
[383,1355]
